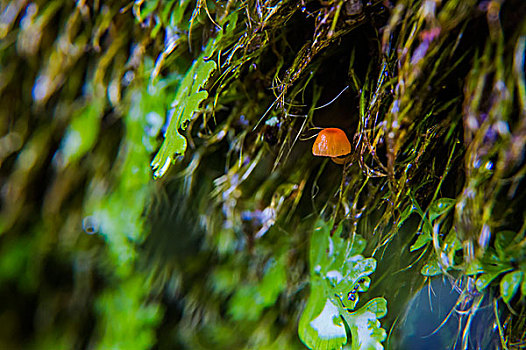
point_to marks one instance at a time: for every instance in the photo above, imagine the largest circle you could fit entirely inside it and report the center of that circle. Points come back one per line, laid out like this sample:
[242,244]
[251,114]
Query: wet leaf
[422,240]
[432,268]
[320,325]
[187,100]
[440,207]
[510,284]
[366,330]
[486,278]
[474,267]
[451,242]
[338,274]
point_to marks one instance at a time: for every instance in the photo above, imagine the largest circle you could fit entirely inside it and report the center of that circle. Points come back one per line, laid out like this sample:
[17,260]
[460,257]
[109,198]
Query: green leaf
[410,209]
[273,282]
[416,207]
[366,330]
[451,242]
[474,267]
[504,243]
[187,100]
[421,241]
[427,227]
[431,268]
[338,274]
[485,279]
[451,245]
[321,326]
[510,284]
[440,207]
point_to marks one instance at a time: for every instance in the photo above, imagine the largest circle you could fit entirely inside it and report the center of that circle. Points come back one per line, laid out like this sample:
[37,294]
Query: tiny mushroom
[333,143]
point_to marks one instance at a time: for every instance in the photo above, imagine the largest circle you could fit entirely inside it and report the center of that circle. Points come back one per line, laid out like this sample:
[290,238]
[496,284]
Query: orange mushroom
[333,143]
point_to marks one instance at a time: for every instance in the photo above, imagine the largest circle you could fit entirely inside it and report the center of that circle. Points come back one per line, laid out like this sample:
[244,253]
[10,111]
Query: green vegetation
[158,188]
[338,274]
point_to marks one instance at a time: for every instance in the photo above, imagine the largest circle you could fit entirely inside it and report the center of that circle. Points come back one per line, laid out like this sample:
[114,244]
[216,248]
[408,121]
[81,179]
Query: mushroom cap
[331,142]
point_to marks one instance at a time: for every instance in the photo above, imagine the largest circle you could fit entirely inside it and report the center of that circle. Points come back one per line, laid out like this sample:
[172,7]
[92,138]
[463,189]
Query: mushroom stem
[340,161]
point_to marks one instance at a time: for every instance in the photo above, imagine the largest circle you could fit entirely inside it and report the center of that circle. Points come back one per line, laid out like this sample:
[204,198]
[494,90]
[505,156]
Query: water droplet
[502,128]
[127,78]
[41,88]
[489,165]
[90,225]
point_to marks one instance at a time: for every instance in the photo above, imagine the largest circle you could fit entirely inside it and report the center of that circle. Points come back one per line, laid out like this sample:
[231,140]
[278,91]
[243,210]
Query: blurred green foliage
[245,240]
